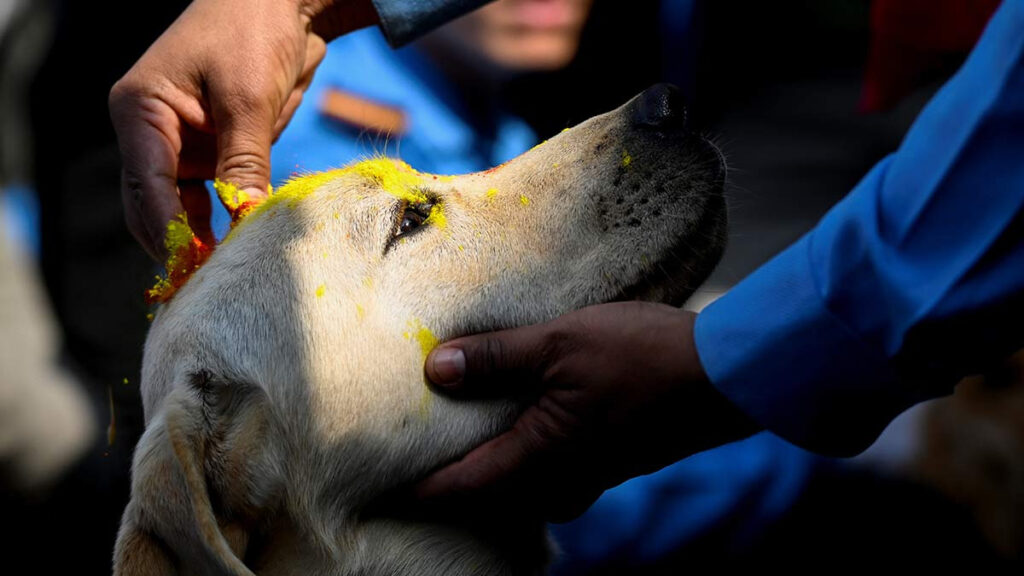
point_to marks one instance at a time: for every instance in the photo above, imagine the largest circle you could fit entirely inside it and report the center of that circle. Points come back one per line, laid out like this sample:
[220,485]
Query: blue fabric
[439,138]
[742,486]
[912,281]
[20,209]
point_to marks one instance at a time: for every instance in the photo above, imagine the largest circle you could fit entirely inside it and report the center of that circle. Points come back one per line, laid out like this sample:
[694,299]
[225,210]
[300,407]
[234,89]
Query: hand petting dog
[620,393]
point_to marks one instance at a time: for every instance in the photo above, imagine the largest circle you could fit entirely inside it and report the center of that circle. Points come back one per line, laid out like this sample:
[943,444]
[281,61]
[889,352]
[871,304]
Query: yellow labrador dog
[283,383]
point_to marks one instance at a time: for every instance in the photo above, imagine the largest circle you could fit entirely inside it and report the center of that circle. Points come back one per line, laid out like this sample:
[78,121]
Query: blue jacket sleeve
[914,280]
[403,20]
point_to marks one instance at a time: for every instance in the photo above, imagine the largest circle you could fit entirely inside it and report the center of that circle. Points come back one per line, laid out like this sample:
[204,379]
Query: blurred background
[803,97]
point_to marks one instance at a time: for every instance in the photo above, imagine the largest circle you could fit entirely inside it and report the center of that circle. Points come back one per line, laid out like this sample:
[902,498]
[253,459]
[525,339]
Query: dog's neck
[401,546]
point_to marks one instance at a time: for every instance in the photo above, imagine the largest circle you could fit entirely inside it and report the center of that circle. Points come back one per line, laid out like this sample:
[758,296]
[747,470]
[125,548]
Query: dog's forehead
[385,174]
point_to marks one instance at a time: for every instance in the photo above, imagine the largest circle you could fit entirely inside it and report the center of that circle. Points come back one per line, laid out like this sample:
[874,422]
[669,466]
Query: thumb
[490,364]
[245,131]
[484,467]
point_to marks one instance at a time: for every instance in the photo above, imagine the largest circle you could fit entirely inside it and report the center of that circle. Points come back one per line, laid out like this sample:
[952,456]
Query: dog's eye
[413,216]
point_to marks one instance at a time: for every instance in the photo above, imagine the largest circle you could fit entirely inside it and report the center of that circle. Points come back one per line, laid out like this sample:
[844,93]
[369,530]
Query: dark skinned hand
[210,96]
[619,392]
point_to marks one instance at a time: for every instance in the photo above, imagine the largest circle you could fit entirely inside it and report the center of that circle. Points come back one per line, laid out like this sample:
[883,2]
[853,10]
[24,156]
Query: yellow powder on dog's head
[392,176]
[420,333]
[186,253]
[427,341]
[626,159]
[237,202]
[436,217]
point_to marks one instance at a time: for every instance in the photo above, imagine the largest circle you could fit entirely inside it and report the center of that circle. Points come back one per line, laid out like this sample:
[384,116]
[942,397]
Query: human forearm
[912,281]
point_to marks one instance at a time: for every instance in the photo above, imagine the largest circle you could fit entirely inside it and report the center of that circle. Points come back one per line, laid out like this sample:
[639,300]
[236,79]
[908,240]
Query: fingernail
[449,365]
[257,194]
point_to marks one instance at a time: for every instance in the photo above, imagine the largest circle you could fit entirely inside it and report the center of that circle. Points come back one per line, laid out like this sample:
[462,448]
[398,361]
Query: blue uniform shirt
[914,280]
[439,137]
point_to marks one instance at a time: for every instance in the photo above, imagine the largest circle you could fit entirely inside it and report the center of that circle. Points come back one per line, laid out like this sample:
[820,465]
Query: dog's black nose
[661,108]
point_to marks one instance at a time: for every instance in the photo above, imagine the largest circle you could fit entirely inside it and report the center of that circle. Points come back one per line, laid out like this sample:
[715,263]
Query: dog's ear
[205,474]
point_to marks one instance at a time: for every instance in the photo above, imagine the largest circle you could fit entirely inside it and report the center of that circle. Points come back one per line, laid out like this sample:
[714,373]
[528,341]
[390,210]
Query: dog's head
[283,384]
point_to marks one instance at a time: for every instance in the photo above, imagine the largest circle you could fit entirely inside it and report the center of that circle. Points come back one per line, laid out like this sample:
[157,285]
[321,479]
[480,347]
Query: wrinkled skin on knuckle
[120,96]
[132,190]
[125,99]
[494,353]
[550,424]
[565,336]
[242,161]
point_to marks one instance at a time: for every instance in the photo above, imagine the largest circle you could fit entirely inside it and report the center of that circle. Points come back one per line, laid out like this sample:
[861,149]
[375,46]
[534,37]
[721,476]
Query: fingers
[527,466]
[316,49]
[483,467]
[534,436]
[494,363]
[196,200]
[149,151]
[292,104]
[244,119]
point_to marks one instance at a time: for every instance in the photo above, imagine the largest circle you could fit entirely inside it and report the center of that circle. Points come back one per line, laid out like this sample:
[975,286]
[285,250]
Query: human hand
[621,393]
[210,96]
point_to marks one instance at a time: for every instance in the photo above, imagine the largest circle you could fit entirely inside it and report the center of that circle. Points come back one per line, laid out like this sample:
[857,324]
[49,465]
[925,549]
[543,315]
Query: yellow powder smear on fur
[186,254]
[237,202]
[626,159]
[436,217]
[524,200]
[420,333]
[427,341]
[491,193]
[360,312]
[392,176]
[321,290]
